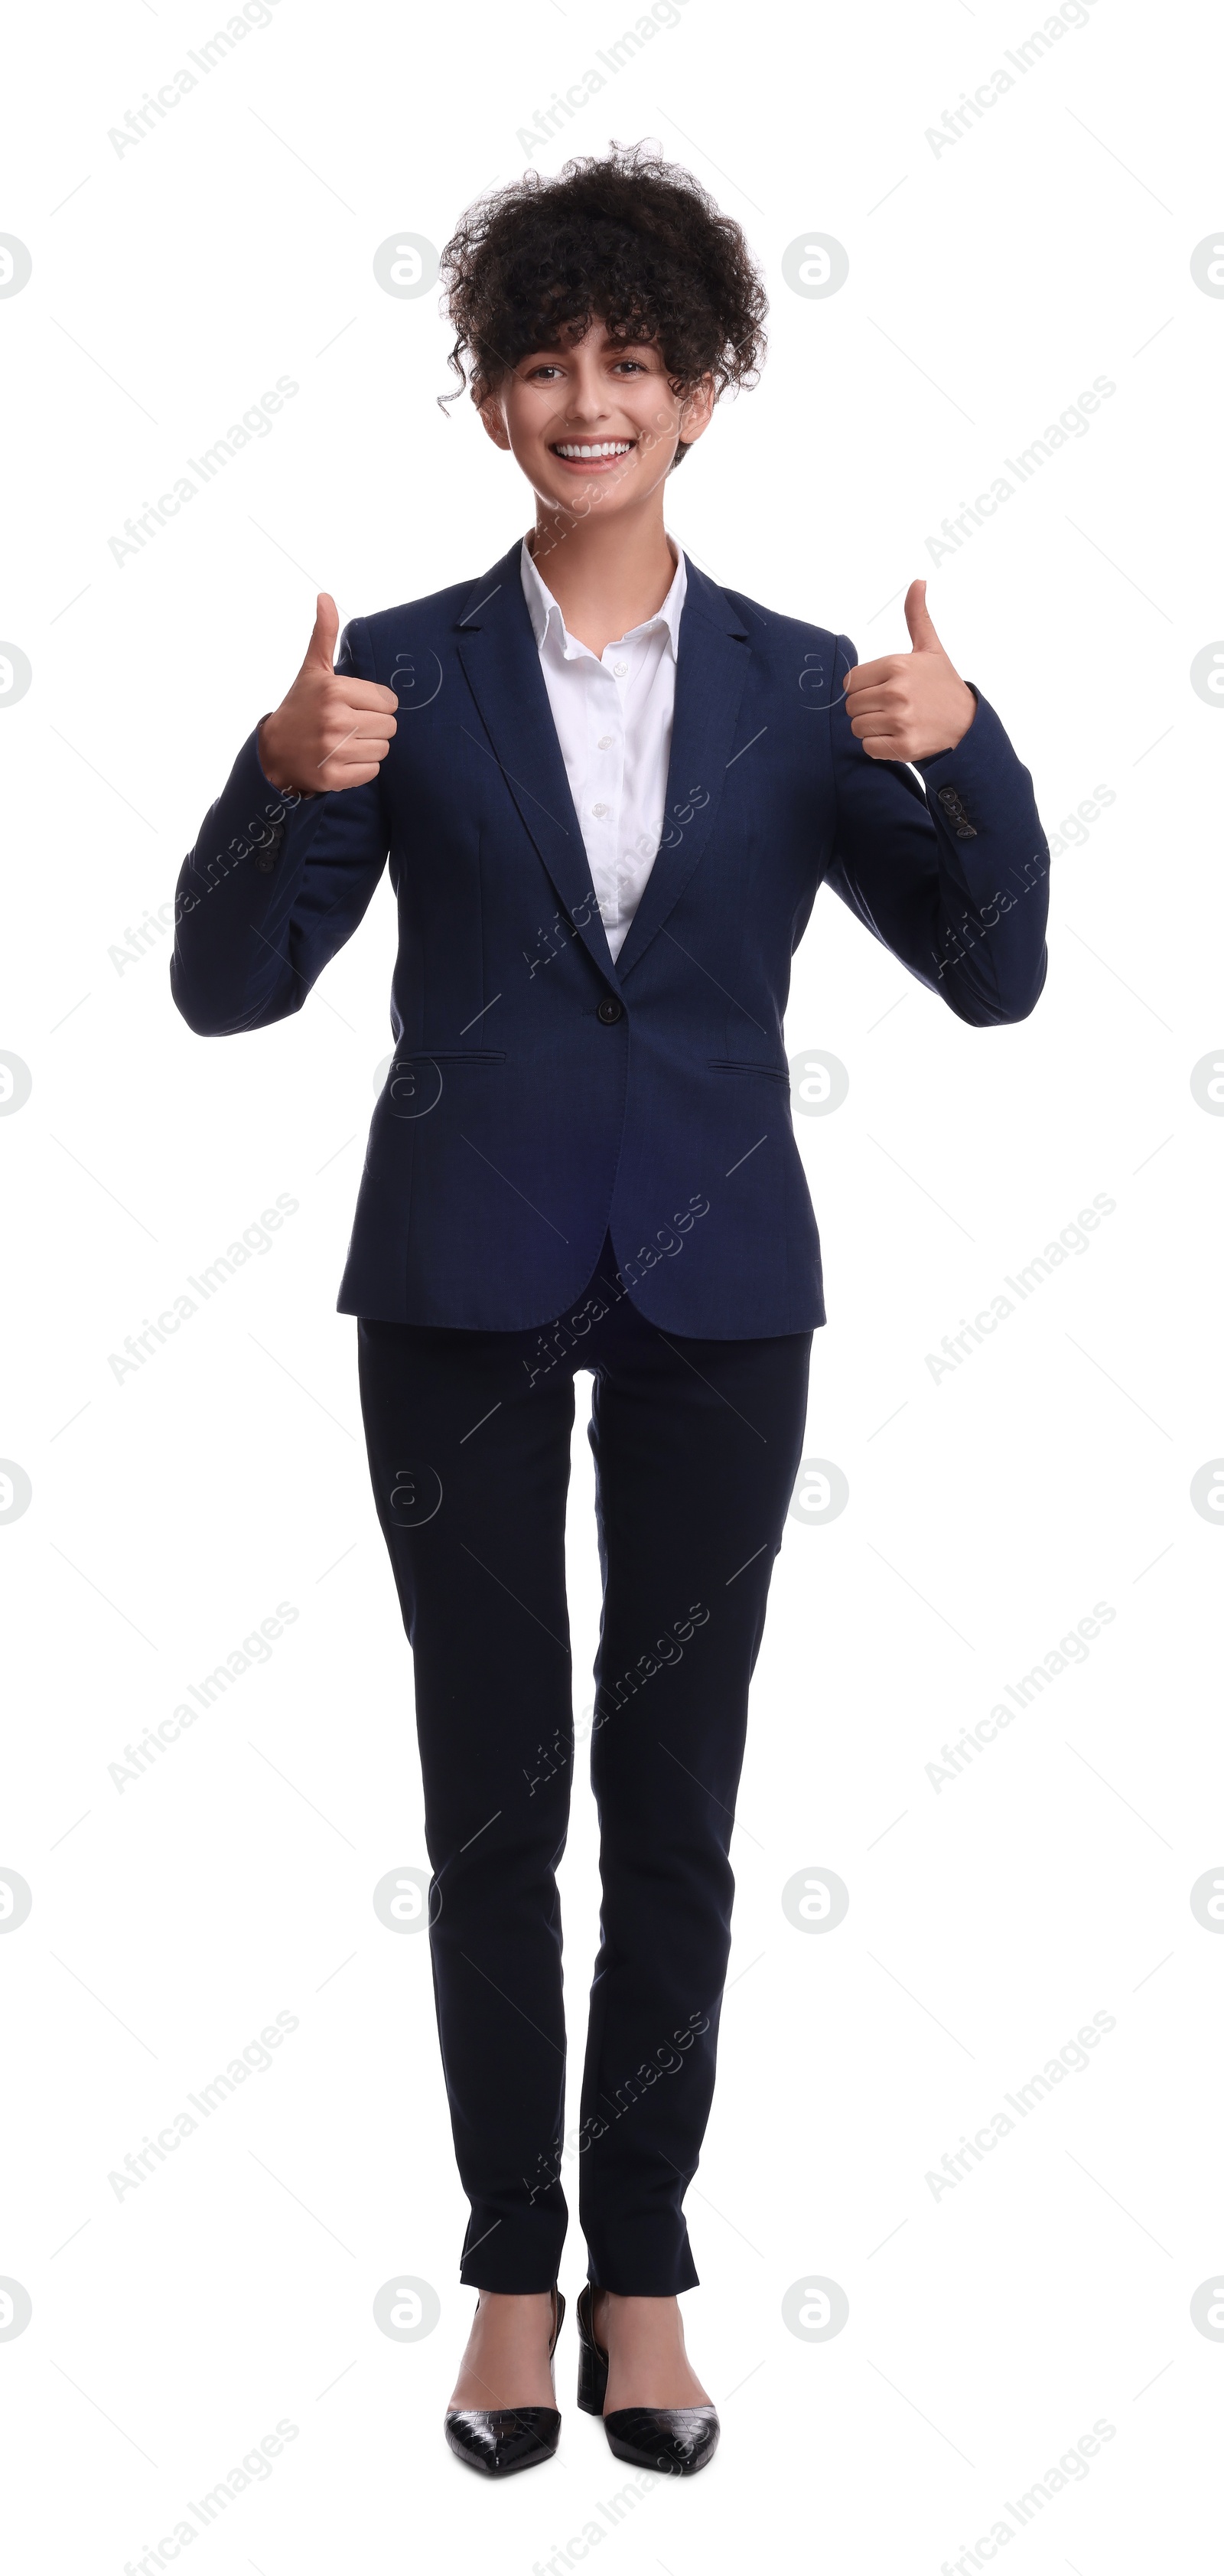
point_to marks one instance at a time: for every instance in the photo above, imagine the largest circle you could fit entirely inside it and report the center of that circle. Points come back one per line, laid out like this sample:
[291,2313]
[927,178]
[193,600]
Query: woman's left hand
[908,706]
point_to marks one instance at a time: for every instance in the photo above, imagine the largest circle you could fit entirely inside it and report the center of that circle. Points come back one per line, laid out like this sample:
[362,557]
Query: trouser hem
[515,2267]
[639,2266]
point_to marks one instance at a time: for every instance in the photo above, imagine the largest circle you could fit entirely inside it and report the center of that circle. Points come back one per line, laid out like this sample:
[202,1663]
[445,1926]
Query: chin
[583,497]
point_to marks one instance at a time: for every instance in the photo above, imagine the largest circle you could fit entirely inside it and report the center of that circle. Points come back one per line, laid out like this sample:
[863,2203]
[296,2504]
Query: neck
[606,575]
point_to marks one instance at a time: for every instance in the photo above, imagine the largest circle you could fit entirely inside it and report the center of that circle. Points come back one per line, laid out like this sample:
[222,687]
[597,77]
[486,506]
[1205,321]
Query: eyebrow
[559,351]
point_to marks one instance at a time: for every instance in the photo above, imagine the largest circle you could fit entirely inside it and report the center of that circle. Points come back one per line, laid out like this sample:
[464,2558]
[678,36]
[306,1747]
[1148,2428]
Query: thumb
[918,619]
[322,645]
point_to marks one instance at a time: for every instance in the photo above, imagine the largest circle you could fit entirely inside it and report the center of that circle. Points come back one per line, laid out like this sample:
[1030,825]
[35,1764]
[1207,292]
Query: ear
[697,410]
[493,417]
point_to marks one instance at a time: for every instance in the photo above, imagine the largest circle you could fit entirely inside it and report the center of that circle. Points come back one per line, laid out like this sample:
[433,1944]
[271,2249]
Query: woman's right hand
[331,731]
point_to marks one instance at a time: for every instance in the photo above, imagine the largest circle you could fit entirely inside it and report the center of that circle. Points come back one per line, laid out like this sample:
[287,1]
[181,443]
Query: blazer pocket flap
[737,1064]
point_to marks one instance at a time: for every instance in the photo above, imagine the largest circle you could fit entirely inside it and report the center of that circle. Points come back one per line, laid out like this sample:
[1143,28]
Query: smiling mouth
[592,451]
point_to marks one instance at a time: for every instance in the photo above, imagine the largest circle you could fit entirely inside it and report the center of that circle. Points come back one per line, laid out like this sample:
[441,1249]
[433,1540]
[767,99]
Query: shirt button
[601,810]
[620,669]
[604,743]
[609,1010]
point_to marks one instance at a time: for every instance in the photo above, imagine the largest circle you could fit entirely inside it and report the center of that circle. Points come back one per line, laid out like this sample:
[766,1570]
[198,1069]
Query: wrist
[273,770]
[971,711]
[955,738]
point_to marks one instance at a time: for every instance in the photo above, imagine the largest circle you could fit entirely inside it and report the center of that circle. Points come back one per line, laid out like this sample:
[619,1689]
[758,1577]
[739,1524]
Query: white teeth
[608,447]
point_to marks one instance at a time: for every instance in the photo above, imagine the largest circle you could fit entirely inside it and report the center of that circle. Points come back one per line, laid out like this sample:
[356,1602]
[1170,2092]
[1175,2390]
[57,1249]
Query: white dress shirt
[613,713]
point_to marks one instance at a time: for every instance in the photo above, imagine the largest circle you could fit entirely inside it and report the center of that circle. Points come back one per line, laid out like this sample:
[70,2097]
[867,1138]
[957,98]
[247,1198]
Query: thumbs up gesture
[331,731]
[910,705]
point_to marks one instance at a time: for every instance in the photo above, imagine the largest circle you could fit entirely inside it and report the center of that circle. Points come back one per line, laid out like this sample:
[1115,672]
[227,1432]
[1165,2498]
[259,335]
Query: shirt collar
[545,611]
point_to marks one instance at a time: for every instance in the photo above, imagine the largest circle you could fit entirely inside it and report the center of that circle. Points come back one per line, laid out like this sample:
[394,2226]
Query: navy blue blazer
[540,1094]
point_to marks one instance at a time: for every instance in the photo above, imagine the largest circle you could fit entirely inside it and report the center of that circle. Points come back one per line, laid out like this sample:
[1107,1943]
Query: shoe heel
[592,2363]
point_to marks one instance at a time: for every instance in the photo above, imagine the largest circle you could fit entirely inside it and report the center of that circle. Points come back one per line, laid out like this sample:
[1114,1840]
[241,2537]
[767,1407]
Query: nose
[588,402]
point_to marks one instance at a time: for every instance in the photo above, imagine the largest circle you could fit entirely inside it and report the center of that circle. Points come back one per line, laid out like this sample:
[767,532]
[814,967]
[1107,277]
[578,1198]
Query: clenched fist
[331,731]
[910,705]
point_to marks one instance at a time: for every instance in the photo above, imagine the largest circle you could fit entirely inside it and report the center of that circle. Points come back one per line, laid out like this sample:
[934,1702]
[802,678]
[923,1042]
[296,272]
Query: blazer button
[268,852]
[609,1010]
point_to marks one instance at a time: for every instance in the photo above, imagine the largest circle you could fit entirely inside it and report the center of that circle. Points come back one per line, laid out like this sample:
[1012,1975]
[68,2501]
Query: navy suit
[541,1095]
[581,1165]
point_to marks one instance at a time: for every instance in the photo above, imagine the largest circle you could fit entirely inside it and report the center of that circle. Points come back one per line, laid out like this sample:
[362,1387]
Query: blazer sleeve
[274,886]
[955,881]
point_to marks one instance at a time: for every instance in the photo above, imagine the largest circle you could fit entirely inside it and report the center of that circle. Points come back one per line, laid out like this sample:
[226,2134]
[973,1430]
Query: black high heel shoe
[500,2439]
[677,2440]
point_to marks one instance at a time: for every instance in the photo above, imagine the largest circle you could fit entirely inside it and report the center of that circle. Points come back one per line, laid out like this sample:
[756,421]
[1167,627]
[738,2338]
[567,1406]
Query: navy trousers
[697,1445]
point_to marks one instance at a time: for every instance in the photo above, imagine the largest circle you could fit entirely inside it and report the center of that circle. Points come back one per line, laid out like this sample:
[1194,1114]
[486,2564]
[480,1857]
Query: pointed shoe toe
[499,2440]
[674,2440]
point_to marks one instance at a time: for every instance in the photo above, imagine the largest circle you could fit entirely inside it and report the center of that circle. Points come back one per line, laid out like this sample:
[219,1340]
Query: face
[595,422]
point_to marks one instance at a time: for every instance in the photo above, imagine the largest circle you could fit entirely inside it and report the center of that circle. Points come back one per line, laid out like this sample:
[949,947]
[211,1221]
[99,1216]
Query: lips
[591,455]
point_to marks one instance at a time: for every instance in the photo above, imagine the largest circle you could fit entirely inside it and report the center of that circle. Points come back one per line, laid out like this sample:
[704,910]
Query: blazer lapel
[711,668]
[498,650]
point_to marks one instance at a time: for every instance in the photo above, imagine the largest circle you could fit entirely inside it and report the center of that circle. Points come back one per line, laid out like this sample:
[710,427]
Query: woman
[609,790]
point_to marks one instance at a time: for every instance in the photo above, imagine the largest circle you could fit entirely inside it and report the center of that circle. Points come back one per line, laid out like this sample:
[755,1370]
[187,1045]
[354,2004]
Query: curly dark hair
[629,239]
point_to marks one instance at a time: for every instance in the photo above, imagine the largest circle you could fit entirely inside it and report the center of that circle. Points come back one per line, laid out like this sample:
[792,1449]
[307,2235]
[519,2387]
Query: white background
[989,2328]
